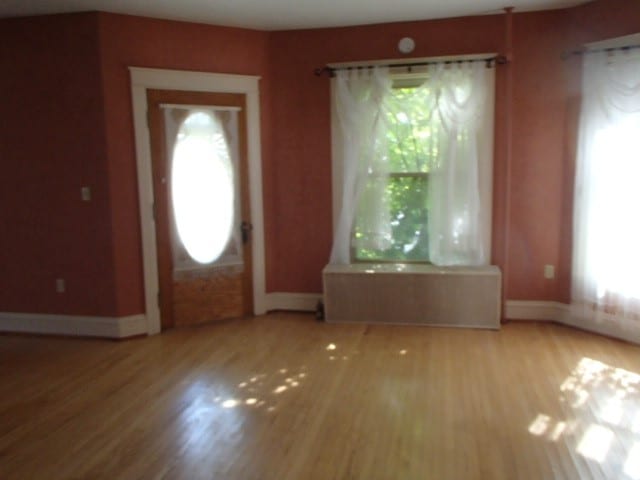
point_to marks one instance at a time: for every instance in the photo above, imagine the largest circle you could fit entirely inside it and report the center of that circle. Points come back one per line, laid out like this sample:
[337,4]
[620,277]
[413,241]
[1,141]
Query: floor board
[285,397]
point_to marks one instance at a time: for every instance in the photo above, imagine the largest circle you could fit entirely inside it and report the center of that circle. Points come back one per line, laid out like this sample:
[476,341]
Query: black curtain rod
[587,51]
[331,71]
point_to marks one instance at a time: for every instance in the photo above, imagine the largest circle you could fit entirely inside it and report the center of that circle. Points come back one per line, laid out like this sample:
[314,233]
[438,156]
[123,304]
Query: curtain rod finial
[322,70]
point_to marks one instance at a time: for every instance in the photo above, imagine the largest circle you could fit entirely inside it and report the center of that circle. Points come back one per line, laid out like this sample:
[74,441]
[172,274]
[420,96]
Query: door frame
[153,78]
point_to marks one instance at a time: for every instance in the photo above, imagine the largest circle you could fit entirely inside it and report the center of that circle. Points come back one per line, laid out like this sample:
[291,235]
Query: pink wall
[301,111]
[65,79]
[536,187]
[302,150]
[603,19]
[143,42]
[67,93]
[53,143]
[535,181]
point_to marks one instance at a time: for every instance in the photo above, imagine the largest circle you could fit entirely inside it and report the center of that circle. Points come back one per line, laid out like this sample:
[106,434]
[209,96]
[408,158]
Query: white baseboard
[514,309]
[607,327]
[130,326]
[302,302]
[134,325]
[561,313]
[77,325]
[535,310]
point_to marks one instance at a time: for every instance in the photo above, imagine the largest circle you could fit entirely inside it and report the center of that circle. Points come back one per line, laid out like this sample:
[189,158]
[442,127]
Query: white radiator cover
[413,295]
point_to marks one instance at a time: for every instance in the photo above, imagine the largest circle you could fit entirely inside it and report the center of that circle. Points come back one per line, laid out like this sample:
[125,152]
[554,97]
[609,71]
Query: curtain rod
[182,106]
[331,71]
[588,51]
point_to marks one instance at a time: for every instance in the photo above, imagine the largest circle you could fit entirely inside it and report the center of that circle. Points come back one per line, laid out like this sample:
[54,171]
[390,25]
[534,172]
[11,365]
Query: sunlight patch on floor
[632,465]
[595,443]
[602,424]
[540,425]
[230,403]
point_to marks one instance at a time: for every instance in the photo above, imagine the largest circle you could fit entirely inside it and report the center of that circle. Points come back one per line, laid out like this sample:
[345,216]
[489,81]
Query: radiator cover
[413,295]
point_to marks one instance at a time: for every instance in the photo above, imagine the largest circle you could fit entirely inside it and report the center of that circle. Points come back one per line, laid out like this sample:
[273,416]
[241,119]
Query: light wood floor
[285,397]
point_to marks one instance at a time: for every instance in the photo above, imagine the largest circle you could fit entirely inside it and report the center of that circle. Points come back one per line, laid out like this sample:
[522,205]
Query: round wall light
[406,45]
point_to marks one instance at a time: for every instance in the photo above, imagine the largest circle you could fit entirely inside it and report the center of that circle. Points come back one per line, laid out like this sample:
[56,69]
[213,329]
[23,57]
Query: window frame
[413,77]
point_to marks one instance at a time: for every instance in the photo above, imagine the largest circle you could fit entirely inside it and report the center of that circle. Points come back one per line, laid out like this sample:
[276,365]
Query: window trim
[486,149]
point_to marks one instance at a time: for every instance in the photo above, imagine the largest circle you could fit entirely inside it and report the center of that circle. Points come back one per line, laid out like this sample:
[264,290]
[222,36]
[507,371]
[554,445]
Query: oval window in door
[202,186]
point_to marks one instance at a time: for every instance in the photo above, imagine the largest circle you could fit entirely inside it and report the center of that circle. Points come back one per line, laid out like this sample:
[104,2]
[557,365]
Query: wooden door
[193,290]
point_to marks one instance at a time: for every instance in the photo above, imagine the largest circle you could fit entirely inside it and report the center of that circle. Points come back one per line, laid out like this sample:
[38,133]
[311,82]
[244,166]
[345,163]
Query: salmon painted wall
[135,41]
[65,78]
[603,19]
[301,111]
[67,123]
[535,189]
[52,143]
[546,113]
[538,184]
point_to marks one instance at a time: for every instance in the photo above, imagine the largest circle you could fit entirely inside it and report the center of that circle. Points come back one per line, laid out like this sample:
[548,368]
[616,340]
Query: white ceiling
[283,14]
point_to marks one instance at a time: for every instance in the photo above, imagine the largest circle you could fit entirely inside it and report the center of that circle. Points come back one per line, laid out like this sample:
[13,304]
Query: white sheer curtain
[358,102]
[460,116]
[606,251]
[457,234]
[202,148]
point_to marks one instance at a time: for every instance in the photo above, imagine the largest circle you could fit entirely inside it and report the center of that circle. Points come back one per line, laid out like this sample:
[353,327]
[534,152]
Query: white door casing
[151,78]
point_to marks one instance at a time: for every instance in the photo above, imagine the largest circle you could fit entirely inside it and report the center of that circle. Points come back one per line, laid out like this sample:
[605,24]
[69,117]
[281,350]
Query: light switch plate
[549,271]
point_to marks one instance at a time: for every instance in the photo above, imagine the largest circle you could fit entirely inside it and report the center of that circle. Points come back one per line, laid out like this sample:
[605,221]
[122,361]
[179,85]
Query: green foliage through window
[414,144]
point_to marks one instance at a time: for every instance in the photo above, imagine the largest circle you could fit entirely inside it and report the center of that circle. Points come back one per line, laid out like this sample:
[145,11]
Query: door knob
[245,230]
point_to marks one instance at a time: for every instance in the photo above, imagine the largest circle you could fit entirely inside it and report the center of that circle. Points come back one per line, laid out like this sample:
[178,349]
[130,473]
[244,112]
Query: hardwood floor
[285,397]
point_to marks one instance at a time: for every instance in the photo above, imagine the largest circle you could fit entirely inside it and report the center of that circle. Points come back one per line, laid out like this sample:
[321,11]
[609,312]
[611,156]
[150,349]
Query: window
[606,258]
[203,181]
[413,156]
[202,187]
[412,149]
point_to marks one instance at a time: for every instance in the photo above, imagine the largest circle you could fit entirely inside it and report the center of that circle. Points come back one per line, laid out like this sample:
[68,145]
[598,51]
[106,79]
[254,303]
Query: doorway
[144,79]
[201,198]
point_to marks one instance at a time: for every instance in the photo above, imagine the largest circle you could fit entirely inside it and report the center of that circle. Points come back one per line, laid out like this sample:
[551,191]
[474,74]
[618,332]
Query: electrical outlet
[60,285]
[549,271]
